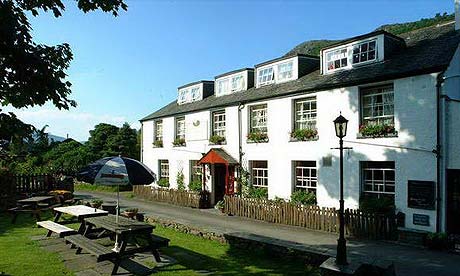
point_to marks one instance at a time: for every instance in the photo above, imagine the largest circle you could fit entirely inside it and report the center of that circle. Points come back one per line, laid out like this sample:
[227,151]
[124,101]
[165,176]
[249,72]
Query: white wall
[415,110]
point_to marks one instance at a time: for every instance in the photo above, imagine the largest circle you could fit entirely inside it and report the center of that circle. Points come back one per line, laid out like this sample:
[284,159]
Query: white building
[404,90]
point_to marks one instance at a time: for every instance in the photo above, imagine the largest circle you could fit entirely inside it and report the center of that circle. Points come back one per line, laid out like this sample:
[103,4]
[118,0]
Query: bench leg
[155,252]
[49,233]
[15,216]
[116,264]
[78,250]
[57,216]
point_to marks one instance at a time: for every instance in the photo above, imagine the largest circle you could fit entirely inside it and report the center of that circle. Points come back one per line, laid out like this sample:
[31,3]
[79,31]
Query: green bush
[382,205]
[375,130]
[195,186]
[180,181]
[216,139]
[257,136]
[303,197]
[163,182]
[304,134]
[258,192]
[158,143]
[179,142]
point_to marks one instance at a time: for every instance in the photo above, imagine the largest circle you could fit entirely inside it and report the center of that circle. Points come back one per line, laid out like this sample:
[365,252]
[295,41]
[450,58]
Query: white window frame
[158,130]
[284,74]
[265,75]
[179,127]
[183,96]
[305,118]
[339,55]
[308,178]
[236,85]
[219,123]
[195,94]
[163,167]
[196,171]
[259,175]
[258,111]
[384,92]
[360,52]
[379,186]
[223,87]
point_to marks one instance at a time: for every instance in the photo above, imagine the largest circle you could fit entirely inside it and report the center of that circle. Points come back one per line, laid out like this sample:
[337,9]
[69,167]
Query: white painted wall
[415,110]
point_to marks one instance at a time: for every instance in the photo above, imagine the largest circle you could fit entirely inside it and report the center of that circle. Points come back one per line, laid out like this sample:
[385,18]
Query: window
[196,171]
[158,131]
[305,113]
[164,169]
[378,178]
[183,96]
[306,177]
[336,59]
[195,94]
[365,51]
[259,173]
[237,83]
[285,70]
[218,123]
[180,128]
[222,87]
[377,105]
[258,118]
[265,76]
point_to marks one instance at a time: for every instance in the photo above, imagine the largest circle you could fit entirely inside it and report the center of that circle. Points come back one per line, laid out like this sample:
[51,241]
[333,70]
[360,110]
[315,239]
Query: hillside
[312,47]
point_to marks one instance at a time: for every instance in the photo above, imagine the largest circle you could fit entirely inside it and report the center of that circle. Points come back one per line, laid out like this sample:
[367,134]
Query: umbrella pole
[118,202]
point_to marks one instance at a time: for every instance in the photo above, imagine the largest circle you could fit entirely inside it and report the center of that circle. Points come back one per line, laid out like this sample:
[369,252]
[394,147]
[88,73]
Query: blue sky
[128,66]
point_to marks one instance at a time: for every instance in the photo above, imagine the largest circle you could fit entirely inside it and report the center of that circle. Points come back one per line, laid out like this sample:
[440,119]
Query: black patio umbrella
[116,171]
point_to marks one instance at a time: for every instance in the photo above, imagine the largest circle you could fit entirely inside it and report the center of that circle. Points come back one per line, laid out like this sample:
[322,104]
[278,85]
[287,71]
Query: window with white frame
[365,51]
[180,128]
[265,76]
[195,94]
[183,95]
[222,87]
[378,178]
[377,105]
[259,173]
[285,70]
[158,131]
[336,59]
[306,177]
[218,123]
[258,118]
[196,171]
[164,169]
[305,113]
[237,83]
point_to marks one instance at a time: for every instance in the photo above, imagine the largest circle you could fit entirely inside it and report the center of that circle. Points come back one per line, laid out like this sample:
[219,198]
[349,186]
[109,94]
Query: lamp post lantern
[340,124]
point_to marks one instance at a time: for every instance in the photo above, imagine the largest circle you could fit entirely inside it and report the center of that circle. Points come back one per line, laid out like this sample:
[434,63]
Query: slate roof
[428,50]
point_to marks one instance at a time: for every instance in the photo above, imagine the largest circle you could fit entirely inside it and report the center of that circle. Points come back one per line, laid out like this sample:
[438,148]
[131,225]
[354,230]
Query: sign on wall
[197,130]
[419,219]
[421,194]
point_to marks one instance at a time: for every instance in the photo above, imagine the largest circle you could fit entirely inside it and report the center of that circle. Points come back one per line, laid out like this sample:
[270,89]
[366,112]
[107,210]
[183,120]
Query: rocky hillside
[312,47]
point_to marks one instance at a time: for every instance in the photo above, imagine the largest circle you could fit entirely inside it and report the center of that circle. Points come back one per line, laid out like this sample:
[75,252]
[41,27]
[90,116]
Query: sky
[129,66]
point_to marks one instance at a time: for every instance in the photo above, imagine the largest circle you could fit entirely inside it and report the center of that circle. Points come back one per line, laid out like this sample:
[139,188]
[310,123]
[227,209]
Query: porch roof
[217,156]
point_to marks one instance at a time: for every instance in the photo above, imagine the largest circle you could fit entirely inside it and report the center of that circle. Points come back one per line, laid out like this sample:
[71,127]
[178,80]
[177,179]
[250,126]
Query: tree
[109,140]
[99,137]
[32,74]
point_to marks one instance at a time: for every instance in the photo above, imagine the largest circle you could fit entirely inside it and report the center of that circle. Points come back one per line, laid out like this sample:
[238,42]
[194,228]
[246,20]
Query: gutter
[240,147]
[439,81]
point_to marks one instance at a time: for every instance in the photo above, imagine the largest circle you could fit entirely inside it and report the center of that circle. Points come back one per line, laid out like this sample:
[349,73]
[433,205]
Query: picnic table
[131,232]
[81,212]
[33,205]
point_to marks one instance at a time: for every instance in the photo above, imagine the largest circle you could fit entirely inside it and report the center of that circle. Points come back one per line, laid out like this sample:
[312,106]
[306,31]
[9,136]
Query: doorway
[219,182]
[453,202]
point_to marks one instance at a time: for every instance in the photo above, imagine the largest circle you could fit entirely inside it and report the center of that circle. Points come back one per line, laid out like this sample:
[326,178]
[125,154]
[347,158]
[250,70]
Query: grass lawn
[80,186]
[19,255]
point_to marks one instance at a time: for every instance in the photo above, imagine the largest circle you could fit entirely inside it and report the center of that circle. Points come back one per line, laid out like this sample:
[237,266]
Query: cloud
[75,123]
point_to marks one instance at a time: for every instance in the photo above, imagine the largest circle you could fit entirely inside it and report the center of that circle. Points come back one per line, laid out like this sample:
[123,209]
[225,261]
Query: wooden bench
[159,242]
[57,228]
[16,210]
[101,252]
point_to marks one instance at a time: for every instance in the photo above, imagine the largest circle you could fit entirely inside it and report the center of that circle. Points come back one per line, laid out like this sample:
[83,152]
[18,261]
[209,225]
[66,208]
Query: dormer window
[364,52]
[222,87]
[195,91]
[285,70]
[265,76]
[195,94]
[234,81]
[182,96]
[237,83]
[337,59]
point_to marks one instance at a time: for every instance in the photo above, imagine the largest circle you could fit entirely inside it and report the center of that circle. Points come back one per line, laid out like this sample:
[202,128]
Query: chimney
[457,14]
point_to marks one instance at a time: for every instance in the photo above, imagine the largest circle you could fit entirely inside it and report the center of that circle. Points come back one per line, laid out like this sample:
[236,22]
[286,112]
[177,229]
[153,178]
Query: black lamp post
[340,124]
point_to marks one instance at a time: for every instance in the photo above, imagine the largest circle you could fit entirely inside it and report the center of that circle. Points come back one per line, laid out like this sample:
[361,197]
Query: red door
[230,189]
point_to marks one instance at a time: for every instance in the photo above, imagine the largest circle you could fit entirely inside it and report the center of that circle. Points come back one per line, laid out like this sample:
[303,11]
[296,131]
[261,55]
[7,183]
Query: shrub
[158,143]
[372,130]
[437,241]
[219,205]
[180,181]
[195,186]
[163,182]
[179,142]
[303,197]
[304,134]
[382,205]
[258,192]
[216,139]
[96,203]
[257,136]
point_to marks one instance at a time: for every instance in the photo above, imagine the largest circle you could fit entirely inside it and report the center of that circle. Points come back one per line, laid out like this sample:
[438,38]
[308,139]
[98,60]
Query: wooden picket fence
[176,197]
[357,223]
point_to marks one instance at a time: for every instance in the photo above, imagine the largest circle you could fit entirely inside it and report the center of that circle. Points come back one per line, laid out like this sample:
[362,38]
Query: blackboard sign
[418,219]
[421,194]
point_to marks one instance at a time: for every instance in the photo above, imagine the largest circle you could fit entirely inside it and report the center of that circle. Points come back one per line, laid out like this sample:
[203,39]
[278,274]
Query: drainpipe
[240,147]
[437,151]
